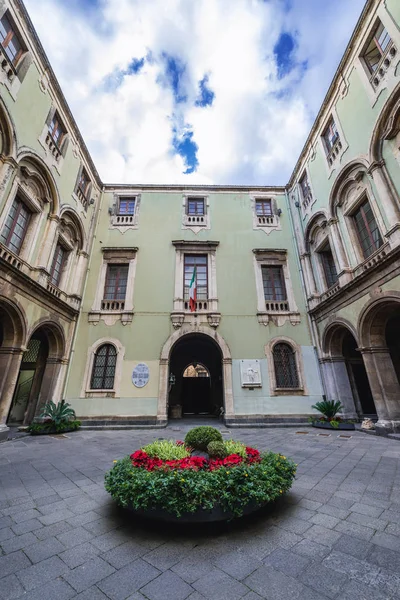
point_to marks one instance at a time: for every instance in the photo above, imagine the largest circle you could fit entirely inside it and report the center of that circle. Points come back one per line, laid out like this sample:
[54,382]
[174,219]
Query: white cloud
[255,128]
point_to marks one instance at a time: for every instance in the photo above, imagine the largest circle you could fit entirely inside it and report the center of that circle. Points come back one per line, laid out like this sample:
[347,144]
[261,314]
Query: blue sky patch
[206,95]
[185,146]
[134,66]
[283,51]
[175,72]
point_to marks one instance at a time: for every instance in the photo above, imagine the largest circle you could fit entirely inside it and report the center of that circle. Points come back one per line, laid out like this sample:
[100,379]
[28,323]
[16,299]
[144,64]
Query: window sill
[297,391]
[266,223]
[100,393]
[110,317]
[196,223]
[124,222]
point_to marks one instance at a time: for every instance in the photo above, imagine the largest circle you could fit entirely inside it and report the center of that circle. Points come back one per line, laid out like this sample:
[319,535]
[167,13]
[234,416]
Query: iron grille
[31,353]
[103,372]
[285,367]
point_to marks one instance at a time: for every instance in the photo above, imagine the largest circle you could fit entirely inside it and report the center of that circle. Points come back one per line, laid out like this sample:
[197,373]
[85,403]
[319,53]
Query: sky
[195,91]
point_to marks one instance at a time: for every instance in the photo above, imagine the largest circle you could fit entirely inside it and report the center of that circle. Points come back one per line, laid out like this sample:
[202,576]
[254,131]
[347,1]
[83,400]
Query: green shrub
[334,424]
[166,450]
[51,427]
[217,450]
[58,413]
[233,447]
[185,491]
[199,437]
[329,408]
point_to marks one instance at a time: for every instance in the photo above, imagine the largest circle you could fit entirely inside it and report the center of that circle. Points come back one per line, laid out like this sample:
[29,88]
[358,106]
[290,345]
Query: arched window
[103,373]
[285,367]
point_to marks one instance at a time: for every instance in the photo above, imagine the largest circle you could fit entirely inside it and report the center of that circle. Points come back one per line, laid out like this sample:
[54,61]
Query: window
[57,265]
[10,40]
[377,48]
[199,263]
[329,267]
[103,372]
[57,130]
[274,284]
[82,188]
[195,206]
[116,282]
[263,208]
[331,136]
[16,226]
[367,229]
[126,206]
[285,367]
[305,190]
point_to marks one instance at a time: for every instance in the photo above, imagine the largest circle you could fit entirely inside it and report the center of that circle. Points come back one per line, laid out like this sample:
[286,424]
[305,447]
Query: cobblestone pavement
[335,535]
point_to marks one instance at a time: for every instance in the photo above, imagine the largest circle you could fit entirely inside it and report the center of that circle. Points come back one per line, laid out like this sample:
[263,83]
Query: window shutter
[78,177]
[50,116]
[65,144]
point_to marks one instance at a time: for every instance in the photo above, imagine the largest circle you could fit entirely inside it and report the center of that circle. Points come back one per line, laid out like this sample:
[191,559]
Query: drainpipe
[66,381]
[300,268]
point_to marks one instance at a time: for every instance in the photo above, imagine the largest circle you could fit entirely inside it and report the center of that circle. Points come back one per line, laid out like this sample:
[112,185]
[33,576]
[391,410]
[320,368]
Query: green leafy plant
[182,492]
[329,408]
[58,413]
[51,427]
[199,437]
[166,450]
[233,447]
[334,424]
[217,450]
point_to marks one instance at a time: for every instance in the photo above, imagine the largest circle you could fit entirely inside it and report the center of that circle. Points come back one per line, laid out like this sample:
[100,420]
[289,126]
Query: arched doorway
[38,374]
[392,335]
[345,372]
[195,376]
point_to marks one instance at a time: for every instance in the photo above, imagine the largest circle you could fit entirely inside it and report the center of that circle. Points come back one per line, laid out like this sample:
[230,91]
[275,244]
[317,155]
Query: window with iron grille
[57,265]
[263,208]
[330,135]
[195,206]
[83,184]
[377,48]
[328,264]
[116,282]
[199,262]
[57,130]
[104,364]
[10,40]
[286,375]
[367,229]
[127,206]
[15,226]
[273,283]
[305,190]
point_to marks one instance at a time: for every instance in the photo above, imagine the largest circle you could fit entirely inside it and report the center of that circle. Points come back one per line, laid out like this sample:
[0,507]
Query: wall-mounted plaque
[140,375]
[250,372]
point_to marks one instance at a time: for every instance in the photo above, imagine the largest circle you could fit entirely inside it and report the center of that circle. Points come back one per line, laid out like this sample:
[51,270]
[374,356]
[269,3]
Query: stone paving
[335,535]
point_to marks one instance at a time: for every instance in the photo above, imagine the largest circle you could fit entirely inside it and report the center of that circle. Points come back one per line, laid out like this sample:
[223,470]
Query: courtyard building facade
[136,303]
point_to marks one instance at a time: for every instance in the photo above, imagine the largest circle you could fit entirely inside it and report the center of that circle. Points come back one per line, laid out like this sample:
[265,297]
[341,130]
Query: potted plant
[202,479]
[329,418]
[57,418]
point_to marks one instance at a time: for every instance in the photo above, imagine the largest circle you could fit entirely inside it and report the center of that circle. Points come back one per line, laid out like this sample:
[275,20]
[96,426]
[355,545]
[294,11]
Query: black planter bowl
[341,426]
[216,514]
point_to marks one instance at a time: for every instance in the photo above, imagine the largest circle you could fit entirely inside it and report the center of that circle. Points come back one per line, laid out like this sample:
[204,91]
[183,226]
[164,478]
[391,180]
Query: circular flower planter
[326,425]
[198,489]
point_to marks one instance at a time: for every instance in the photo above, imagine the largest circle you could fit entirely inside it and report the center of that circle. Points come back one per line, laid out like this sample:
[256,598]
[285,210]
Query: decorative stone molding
[86,390]
[214,319]
[266,223]
[196,223]
[177,320]
[274,390]
[125,222]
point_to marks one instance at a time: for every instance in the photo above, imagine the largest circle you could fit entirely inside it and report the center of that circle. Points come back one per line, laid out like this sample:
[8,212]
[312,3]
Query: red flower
[180,443]
[253,455]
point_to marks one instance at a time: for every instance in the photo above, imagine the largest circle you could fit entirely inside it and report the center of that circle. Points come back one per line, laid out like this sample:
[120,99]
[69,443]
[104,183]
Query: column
[48,242]
[228,389]
[338,248]
[389,198]
[162,408]
[308,274]
[10,363]
[77,284]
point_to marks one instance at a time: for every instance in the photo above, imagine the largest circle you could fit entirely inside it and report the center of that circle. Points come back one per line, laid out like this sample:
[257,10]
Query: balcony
[54,149]
[7,66]
[266,220]
[110,305]
[195,220]
[383,65]
[335,151]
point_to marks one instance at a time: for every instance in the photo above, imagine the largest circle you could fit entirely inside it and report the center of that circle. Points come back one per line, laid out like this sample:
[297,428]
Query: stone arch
[8,133]
[387,125]
[55,337]
[187,329]
[70,218]
[347,180]
[373,318]
[14,328]
[36,176]
[332,336]
[318,220]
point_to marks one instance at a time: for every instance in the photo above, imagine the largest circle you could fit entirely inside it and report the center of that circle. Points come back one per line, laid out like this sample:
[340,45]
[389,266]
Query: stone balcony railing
[266,220]
[110,305]
[384,64]
[82,198]
[7,65]
[195,220]
[335,151]
[275,306]
[123,219]
[54,149]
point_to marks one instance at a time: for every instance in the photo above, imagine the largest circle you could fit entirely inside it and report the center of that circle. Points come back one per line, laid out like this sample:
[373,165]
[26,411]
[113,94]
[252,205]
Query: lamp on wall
[172,379]
[279,212]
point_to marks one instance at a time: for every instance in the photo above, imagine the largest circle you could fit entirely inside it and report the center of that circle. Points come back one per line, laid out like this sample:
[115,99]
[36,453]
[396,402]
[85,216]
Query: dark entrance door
[358,375]
[196,376]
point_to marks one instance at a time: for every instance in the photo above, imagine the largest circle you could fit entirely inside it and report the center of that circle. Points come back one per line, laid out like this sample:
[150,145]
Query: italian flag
[193,292]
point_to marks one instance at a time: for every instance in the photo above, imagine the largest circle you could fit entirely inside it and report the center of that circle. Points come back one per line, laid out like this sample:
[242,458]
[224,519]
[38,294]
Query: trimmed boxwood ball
[199,437]
[217,450]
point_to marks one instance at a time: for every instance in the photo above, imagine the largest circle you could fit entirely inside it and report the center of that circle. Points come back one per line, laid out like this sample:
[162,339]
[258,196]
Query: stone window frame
[261,223]
[37,211]
[179,314]
[126,256]
[333,156]
[72,252]
[12,75]
[125,222]
[274,390]
[86,390]
[318,239]
[83,200]
[387,77]
[193,223]
[274,257]
[54,154]
[308,209]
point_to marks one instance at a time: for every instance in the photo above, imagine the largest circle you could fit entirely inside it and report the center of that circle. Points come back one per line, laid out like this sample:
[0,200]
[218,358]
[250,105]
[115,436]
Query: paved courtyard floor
[335,535]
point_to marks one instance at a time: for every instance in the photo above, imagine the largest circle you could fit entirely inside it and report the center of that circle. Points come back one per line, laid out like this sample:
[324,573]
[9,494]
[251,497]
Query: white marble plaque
[140,375]
[250,372]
